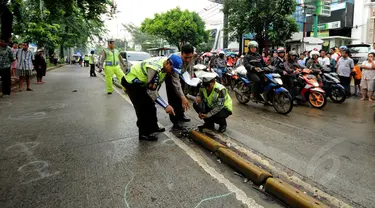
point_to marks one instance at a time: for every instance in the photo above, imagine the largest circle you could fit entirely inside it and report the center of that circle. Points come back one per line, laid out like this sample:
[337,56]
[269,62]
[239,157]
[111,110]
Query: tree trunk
[6,22]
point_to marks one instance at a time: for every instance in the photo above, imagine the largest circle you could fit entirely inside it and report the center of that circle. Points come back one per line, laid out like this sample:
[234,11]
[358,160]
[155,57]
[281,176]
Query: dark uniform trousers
[218,118]
[92,70]
[6,80]
[174,100]
[144,107]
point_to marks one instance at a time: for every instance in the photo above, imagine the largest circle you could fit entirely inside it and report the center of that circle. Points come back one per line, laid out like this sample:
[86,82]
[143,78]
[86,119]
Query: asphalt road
[69,144]
[332,148]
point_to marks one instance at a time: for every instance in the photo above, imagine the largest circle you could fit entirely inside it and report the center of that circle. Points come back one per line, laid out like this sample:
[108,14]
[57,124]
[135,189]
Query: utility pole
[316,16]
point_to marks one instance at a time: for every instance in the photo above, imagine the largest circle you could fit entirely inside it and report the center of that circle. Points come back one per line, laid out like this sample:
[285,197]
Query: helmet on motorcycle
[314,53]
[253,44]
[292,53]
[281,50]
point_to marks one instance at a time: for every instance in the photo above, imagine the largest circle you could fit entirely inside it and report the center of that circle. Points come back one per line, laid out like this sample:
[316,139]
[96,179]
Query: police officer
[174,87]
[213,104]
[113,64]
[141,82]
[92,64]
[253,62]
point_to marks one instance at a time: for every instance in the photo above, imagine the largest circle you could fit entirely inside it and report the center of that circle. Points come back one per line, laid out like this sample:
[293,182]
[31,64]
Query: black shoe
[159,130]
[222,128]
[185,119]
[206,126]
[148,137]
[109,93]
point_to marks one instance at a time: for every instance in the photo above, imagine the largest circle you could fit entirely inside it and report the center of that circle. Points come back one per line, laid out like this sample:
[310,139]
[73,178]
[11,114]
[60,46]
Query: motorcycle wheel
[317,99]
[283,102]
[338,95]
[244,89]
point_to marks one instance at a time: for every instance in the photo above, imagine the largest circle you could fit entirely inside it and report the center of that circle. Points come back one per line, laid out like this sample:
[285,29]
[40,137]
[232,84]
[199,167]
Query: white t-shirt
[368,73]
[345,66]
[324,61]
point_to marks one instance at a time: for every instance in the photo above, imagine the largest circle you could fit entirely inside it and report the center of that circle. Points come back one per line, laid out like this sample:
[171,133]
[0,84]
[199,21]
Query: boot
[148,137]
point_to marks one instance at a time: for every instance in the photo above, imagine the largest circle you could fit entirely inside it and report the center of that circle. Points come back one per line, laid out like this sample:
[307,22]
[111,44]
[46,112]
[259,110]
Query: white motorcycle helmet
[312,53]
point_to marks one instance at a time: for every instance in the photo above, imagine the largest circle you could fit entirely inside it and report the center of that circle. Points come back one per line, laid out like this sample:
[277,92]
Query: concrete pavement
[68,144]
[333,149]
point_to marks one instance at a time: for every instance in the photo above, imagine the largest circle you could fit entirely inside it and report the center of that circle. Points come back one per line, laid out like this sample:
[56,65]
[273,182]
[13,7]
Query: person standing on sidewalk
[6,59]
[345,66]
[174,87]
[92,64]
[24,65]
[113,62]
[142,82]
[40,66]
[14,63]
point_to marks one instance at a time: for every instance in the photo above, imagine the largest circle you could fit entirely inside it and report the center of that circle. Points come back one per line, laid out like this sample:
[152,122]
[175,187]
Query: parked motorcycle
[331,85]
[272,91]
[309,90]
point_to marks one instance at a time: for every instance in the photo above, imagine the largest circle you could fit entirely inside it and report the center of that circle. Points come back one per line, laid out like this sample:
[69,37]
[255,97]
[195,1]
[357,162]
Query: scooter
[331,85]
[272,91]
[308,88]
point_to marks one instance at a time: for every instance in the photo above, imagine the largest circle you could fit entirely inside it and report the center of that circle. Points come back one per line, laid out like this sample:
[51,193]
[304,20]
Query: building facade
[363,24]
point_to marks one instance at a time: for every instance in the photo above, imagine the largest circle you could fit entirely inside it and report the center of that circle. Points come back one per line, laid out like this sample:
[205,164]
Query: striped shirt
[25,60]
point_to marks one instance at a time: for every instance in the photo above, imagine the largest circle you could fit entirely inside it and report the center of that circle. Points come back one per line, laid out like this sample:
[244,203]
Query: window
[137,56]
[359,49]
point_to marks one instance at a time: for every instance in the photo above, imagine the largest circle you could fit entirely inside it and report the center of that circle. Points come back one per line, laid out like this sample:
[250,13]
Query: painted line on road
[240,194]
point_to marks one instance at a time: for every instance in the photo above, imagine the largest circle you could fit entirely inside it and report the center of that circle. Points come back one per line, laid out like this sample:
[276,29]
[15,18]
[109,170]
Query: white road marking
[240,194]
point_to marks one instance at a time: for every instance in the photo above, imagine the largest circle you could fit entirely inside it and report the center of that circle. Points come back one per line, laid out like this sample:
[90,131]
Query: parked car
[359,51]
[133,57]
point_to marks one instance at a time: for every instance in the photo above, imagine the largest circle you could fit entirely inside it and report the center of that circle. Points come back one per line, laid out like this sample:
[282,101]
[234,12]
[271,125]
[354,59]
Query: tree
[51,23]
[145,40]
[268,19]
[177,27]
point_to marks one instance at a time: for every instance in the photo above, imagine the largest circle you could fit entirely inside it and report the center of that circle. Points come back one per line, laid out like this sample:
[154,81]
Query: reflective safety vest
[91,59]
[213,101]
[111,57]
[138,72]
[87,58]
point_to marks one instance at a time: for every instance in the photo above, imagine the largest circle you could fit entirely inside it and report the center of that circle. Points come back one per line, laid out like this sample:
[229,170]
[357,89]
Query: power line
[210,12]
[208,9]
[213,15]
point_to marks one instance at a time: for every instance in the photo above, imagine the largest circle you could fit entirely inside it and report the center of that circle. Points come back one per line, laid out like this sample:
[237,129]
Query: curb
[257,175]
[281,190]
[206,141]
[290,195]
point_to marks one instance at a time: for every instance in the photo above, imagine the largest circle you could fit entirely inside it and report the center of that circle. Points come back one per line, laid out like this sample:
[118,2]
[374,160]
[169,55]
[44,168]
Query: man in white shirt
[345,66]
[24,65]
[324,60]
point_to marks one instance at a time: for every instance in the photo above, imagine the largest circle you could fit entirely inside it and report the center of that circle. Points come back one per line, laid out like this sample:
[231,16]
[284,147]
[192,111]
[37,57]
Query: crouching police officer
[213,104]
[141,82]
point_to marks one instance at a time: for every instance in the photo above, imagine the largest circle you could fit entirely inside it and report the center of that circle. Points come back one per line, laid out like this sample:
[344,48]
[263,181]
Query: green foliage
[51,23]
[268,19]
[177,27]
[147,41]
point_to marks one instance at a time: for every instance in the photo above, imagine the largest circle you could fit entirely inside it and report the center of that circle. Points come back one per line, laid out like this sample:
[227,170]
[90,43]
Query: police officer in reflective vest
[113,62]
[213,104]
[141,82]
[92,64]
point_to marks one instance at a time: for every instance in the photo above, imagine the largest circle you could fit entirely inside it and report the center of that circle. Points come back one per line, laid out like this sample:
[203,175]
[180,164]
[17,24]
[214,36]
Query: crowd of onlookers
[337,60]
[17,63]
